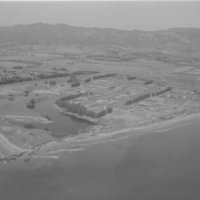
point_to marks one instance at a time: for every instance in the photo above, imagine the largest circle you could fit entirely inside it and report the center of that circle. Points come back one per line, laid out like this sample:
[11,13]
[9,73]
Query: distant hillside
[159,44]
[183,39]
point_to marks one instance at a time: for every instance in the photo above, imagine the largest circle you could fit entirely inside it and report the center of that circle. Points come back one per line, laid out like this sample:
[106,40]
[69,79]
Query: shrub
[30,126]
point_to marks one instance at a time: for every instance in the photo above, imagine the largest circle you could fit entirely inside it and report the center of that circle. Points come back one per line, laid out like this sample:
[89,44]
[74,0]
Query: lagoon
[62,125]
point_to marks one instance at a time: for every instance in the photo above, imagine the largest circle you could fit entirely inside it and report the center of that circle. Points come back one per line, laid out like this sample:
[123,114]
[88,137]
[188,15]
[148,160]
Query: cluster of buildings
[103,95]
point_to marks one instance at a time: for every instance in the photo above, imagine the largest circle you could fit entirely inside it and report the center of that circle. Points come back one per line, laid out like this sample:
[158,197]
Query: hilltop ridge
[176,39]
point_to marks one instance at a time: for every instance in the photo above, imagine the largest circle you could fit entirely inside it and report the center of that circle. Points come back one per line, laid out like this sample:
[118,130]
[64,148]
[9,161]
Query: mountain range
[185,41]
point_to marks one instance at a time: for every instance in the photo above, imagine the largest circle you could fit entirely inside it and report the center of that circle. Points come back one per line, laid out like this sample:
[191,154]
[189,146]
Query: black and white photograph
[100,100]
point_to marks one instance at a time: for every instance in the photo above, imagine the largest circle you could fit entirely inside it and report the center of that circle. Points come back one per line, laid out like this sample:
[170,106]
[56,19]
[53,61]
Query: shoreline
[149,127]
[88,139]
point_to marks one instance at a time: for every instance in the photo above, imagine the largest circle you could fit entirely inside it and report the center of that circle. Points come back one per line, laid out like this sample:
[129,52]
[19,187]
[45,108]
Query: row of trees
[70,97]
[54,75]
[104,76]
[148,82]
[14,79]
[130,78]
[87,80]
[147,95]
[81,110]
[137,99]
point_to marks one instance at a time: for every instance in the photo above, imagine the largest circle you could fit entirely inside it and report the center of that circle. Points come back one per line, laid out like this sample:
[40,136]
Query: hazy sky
[122,15]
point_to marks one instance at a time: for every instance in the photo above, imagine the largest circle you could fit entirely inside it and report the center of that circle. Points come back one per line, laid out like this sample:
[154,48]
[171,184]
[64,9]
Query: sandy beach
[87,139]
[27,119]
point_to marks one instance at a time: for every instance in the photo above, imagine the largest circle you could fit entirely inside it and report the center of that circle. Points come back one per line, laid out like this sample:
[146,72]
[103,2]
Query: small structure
[26,93]
[75,84]
[148,82]
[31,104]
[52,82]
[131,78]
[11,97]
[87,80]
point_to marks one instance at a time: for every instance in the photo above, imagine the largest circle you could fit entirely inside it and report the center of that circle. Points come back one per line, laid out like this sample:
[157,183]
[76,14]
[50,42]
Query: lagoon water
[62,125]
[146,166]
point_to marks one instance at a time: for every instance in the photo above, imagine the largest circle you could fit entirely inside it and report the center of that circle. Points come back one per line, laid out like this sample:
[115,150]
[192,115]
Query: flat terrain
[109,97]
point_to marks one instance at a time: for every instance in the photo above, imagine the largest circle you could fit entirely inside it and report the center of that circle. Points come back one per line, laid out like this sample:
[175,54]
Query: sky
[121,15]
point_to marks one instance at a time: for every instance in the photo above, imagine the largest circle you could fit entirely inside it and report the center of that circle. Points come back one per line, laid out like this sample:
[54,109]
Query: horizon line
[95,27]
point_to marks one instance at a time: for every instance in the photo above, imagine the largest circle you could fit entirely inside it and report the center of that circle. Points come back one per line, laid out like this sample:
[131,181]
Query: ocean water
[146,166]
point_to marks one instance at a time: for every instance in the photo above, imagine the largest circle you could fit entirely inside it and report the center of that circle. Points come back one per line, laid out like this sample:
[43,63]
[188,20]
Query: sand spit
[20,118]
[72,144]
[50,157]
[9,151]
[57,151]
[9,148]
[87,139]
